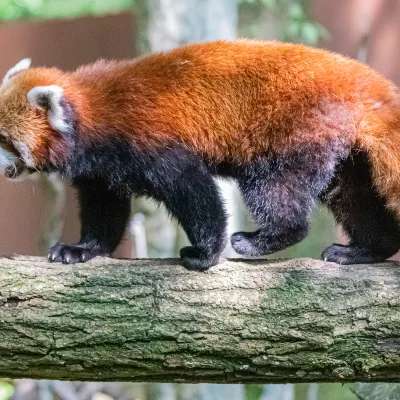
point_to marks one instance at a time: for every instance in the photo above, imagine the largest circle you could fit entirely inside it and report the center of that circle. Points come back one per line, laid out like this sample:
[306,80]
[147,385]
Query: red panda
[293,125]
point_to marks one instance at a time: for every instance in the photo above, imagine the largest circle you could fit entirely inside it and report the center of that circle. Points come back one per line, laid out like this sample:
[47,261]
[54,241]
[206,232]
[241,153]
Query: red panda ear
[51,99]
[21,66]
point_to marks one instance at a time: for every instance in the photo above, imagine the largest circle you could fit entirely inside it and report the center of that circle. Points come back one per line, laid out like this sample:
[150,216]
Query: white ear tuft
[21,66]
[49,98]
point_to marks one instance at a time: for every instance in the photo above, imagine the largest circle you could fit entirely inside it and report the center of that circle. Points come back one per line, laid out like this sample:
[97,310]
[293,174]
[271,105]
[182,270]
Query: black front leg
[195,202]
[104,215]
[182,182]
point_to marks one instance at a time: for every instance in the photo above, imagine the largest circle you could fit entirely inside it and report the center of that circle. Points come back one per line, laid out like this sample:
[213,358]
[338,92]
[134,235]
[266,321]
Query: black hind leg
[373,230]
[280,195]
[282,219]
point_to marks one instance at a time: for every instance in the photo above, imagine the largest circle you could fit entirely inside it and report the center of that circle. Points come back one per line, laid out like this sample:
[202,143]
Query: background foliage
[297,26]
[45,9]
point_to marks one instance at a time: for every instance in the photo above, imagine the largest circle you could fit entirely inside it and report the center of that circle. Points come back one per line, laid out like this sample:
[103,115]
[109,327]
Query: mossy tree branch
[151,320]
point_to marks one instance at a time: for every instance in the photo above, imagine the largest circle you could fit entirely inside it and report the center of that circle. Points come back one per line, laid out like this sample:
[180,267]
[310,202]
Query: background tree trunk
[174,23]
[151,320]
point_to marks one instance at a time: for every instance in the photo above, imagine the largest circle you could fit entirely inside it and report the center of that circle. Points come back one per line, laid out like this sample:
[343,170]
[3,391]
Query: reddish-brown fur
[227,101]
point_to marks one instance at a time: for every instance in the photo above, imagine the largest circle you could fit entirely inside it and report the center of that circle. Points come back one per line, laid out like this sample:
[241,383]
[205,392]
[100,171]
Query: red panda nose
[13,171]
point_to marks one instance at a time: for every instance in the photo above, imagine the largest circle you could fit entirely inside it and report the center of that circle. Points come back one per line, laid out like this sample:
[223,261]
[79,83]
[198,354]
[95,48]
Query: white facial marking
[6,158]
[25,153]
[21,66]
[53,95]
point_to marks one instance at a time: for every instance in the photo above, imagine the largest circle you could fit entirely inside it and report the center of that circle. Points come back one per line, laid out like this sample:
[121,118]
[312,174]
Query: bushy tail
[379,135]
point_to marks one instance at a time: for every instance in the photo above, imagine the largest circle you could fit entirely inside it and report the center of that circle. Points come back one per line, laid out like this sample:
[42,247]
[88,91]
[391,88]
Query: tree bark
[296,320]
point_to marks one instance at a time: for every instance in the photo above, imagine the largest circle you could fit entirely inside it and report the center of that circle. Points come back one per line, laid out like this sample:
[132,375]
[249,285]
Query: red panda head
[36,120]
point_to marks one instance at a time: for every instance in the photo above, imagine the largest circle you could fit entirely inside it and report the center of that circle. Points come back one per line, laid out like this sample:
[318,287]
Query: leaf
[295,11]
[6,390]
[310,33]
[269,3]
[292,30]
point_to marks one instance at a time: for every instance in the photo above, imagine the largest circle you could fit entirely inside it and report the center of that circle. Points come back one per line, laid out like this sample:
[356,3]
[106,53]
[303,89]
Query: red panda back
[230,99]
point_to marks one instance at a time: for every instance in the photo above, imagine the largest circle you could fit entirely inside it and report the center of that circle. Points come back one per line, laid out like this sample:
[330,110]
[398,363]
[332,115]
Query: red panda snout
[15,170]
[12,162]
[9,163]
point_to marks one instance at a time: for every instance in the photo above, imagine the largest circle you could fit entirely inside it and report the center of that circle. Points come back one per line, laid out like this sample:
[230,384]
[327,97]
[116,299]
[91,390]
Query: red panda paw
[70,254]
[195,258]
[355,254]
[248,244]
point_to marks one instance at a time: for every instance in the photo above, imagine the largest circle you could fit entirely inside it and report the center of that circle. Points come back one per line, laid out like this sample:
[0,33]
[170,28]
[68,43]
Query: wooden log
[298,320]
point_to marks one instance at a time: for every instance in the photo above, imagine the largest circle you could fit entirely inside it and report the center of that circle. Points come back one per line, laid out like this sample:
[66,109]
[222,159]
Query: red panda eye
[2,139]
